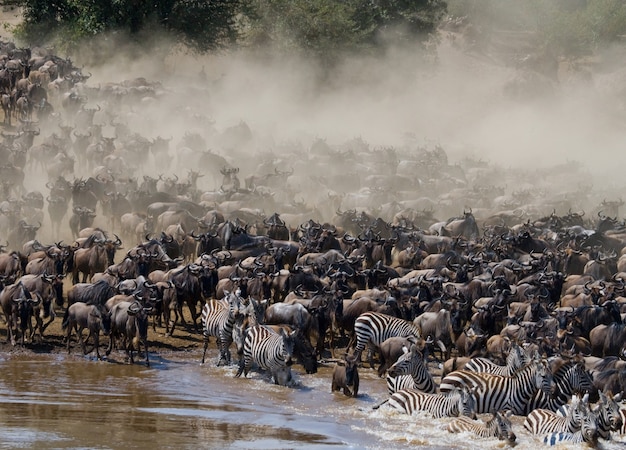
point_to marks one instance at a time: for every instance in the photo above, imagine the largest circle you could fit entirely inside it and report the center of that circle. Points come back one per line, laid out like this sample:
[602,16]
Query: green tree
[201,24]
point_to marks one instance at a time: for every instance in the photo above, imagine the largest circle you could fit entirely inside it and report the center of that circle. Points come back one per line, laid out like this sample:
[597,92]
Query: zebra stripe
[374,328]
[270,351]
[542,421]
[588,433]
[569,378]
[516,359]
[622,413]
[451,404]
[218,317]
[410,372]
[497,392]
[498,426]
[608,415]
[562,438]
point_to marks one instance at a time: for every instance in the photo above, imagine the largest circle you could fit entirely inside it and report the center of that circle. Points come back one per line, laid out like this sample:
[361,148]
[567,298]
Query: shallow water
[55,401]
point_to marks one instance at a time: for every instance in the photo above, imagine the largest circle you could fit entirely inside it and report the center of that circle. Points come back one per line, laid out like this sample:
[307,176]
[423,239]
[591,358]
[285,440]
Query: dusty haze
[477,103]
[471,103]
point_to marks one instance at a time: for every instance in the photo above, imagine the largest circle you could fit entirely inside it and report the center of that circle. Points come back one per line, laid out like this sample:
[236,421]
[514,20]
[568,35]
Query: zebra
[497,392]
[622,413]
[218,317]
[498,426]
[570,377]
[542,421]
[410,372]
[270,350]
[608,417]
[374,328]
[516,359]
[451,404]
[588,433]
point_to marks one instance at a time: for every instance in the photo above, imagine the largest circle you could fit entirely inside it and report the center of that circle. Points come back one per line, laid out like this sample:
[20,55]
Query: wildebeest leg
[69,337]
[45,325]
[80,339]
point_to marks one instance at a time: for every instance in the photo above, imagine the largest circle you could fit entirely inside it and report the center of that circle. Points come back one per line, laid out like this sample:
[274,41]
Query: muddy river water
[55,401]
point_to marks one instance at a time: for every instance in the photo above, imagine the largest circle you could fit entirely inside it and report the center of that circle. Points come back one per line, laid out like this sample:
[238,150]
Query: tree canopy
[322,27]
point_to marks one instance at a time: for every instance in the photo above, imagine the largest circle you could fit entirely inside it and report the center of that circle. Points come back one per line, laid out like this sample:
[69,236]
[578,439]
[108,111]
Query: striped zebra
[541,421]
[218,317]
[498,426]
[270,350]
[588,433]
[569,377]
[622,413]
[451,404]
[410,372]
[515,360]
[608,417]
[374,328]
[497,392]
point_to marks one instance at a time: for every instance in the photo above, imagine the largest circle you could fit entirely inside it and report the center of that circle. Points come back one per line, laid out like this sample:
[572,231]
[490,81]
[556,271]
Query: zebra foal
[498,426]
[542,421]
[451,404]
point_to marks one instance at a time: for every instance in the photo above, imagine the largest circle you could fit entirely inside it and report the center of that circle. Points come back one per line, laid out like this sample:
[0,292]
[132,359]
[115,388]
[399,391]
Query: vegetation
[322,27]
[568,28]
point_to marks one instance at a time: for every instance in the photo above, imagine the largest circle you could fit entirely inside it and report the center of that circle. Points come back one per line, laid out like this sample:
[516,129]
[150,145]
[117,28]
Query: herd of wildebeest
[512,278]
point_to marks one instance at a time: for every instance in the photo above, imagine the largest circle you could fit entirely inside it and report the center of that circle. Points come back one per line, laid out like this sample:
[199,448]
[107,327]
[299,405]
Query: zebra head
[504,426]
[289,345]
[609,417]
[235,303]
[410,359]
[579,410]
[544,380]
[517,357]
[574,378]
[589,429]
[467,401]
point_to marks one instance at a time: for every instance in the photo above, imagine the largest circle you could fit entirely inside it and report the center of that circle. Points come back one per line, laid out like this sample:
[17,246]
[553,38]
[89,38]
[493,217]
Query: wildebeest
[346,377]
[17,304]
[95,318]
[129,322]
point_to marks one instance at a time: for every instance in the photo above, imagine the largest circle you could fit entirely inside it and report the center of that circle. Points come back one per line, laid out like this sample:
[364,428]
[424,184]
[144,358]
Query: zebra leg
[206,345]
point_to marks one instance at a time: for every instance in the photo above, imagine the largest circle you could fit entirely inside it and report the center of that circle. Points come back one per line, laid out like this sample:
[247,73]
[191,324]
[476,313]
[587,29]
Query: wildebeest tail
[66,318]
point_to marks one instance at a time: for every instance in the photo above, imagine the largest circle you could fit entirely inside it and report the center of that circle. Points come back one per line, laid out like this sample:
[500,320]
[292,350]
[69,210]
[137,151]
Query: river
[56,401]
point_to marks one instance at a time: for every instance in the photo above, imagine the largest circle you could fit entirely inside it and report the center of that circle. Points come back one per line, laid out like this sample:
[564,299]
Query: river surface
[56,401]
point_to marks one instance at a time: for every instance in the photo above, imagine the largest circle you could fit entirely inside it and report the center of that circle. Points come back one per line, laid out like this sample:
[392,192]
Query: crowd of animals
[322,247]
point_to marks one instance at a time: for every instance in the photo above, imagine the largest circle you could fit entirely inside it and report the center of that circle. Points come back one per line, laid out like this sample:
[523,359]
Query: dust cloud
[262,112]
[464,100]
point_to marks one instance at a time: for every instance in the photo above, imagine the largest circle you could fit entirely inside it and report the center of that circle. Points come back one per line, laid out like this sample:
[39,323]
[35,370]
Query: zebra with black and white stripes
[270,350]
[218,318]
[515,360]
[410,372]
[374,328]
[498,426]
[608,417]
[588,433]
[569,377]
[455,403]
[541,421]
[497,392]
